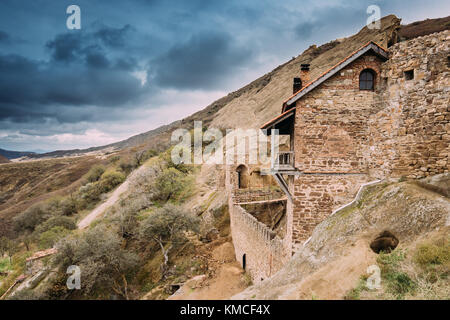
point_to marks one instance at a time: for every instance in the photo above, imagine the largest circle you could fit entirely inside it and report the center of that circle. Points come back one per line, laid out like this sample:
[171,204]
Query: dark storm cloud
[204,61]
[55,81]
[34,90]
[4,37]
[114,37]
[83,71]
[331,19]
[66,47]
[304,30]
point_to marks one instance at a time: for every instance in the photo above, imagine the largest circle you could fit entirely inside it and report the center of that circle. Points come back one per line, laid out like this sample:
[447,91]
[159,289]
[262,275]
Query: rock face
[339,250]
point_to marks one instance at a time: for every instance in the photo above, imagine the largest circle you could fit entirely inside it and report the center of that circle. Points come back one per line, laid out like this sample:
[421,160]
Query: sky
[137,64]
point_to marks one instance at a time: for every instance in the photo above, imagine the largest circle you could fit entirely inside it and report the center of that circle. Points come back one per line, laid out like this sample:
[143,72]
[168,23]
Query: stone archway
[242,177]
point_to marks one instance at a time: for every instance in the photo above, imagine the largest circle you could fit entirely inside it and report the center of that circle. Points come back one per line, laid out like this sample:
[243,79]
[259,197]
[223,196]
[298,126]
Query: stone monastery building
[379,113]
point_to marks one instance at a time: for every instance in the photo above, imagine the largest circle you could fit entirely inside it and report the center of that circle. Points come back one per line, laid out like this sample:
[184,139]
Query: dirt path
[228,278]
[115,196]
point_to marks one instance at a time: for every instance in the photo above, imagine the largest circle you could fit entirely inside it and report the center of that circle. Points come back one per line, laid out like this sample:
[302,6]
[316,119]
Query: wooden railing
[284,160]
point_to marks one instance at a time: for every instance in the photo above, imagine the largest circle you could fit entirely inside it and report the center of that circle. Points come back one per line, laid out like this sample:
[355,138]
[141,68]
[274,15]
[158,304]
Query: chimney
[304,73]
[297,85]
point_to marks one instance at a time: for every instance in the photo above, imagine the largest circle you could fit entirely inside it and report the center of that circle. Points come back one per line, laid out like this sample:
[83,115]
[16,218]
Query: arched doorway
[242,177]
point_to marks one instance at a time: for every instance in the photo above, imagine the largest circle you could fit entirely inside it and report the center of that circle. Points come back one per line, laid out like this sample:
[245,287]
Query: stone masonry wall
[399,129]
[315,198]
[344,137]
[421,106]
[331,121]
[263,250]
[330,143]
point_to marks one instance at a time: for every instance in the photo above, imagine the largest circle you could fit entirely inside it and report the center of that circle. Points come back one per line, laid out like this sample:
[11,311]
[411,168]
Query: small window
[409,75]
[367,80]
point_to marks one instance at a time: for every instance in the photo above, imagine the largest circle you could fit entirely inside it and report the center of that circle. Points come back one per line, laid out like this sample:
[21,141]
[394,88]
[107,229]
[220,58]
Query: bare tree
[167,227]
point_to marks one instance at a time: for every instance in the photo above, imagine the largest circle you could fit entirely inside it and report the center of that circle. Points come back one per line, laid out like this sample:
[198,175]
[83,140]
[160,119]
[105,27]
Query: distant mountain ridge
[9,154]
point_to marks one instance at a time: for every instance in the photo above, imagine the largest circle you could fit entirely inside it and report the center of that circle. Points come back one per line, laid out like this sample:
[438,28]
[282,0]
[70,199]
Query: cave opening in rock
[384,242]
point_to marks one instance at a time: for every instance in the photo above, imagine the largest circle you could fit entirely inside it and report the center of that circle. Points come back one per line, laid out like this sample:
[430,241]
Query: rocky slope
[339,253]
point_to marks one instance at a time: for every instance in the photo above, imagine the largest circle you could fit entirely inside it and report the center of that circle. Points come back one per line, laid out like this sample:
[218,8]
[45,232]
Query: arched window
[367,79]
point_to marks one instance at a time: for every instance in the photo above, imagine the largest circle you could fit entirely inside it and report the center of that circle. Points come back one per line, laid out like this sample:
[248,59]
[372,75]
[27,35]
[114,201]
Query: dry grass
[24,184]
[421,273]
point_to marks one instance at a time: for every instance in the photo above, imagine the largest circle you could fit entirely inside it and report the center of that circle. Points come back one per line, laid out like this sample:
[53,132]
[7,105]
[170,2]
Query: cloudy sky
[138,64]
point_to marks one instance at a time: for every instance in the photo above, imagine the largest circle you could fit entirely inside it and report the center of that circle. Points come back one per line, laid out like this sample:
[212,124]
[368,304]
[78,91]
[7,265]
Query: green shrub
[428,254]
[104,263]
[89,194]
[5,264]
[355,293]
[69,206]
[397,282]
[167,227]
[50,237]
[141,156]
[114,159]
[110,180]
[167,157]
[171,184]
[126,165]
[30,218]
[95,173]
[58,221]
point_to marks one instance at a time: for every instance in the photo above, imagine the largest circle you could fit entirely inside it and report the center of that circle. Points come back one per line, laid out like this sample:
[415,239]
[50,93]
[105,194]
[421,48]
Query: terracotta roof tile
[42,254]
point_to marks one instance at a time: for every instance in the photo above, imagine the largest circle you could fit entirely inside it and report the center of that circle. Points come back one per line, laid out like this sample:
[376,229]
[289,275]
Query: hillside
[3,159]
[333,264]
[26,183]
[261,100]
[115,192]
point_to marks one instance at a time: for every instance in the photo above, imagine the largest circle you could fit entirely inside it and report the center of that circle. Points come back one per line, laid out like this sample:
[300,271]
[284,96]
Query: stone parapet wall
[252,195]
[264,251]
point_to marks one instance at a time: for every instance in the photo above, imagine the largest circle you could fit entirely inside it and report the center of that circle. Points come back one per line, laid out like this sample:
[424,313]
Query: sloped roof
[282,117]
[370,46]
